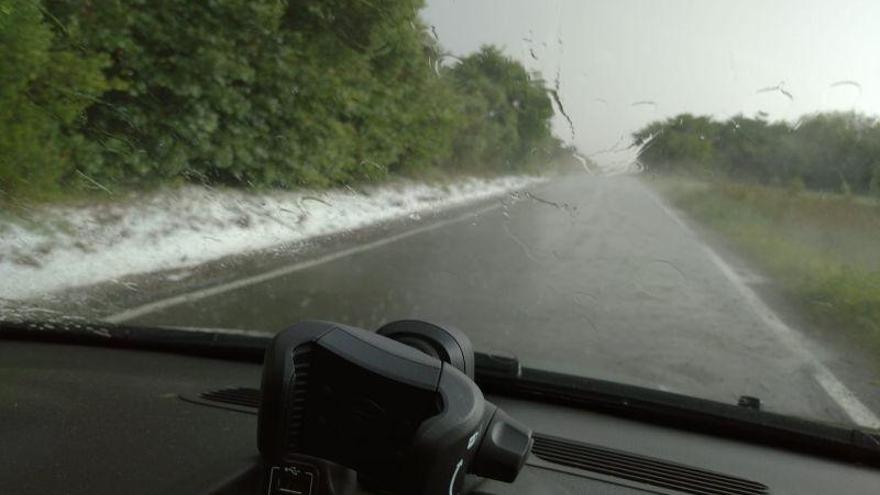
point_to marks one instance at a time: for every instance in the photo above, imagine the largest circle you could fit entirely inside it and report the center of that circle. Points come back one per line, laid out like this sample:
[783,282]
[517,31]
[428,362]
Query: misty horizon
[625,64]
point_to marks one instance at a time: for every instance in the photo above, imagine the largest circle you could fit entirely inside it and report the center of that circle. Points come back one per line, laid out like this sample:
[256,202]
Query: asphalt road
[584,274]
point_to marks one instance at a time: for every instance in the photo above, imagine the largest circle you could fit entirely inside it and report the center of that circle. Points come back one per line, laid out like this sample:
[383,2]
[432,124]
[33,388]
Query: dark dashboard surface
[92,420]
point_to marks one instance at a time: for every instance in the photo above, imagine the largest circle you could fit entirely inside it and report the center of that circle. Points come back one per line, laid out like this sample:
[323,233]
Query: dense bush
[251,92]
[825,151]
[45,84]
[508,110]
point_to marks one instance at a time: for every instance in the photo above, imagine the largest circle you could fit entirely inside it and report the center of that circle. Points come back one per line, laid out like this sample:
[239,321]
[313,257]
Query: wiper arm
[679,411]
[497,365]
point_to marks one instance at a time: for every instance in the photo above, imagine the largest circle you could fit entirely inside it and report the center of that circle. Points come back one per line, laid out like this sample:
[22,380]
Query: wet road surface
[583,274]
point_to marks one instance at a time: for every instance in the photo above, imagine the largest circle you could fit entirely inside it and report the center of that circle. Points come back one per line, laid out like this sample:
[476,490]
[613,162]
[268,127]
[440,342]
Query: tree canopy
[837,151]
[256,92]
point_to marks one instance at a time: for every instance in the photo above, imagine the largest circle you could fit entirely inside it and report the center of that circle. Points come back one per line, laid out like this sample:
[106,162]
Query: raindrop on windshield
[842,94]
[778,89]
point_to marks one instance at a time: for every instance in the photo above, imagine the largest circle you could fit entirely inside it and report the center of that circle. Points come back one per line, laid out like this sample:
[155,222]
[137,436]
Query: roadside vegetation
[801,202]
[104,95]
[827,152]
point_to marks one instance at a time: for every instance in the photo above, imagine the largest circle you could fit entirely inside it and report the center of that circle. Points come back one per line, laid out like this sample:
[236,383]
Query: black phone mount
[398,406]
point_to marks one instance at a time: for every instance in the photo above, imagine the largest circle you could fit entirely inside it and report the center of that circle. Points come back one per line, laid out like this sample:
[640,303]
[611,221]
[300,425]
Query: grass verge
[822,249]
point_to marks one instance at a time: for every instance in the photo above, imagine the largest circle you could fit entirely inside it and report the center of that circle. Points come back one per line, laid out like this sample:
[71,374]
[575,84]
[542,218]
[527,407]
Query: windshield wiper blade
[238,345]
[684,412]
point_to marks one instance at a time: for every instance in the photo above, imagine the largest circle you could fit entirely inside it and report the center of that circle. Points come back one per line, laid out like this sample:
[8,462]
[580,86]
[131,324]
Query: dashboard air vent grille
[295,410]
[241,396]
[641,469]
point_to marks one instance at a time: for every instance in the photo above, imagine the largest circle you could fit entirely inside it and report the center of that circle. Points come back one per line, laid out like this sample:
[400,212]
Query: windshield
[672,194]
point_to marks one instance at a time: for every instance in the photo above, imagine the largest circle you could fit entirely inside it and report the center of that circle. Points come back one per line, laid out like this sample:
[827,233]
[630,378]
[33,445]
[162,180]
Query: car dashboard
[98,420]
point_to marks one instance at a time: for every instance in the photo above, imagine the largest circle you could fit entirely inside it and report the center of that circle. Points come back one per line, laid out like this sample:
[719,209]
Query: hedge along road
[594,276]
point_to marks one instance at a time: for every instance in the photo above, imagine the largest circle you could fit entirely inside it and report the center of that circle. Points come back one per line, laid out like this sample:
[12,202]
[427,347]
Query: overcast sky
[700,56]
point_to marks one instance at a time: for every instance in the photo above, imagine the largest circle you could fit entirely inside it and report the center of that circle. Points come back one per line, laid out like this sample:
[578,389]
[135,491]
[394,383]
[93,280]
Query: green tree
[252,93]
[45,85]
[836,151]
[682,143]
[506,112]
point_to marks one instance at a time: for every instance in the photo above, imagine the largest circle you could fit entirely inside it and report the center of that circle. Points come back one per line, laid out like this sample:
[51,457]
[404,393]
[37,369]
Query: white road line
[843,396]
[161,304]
[856,410]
